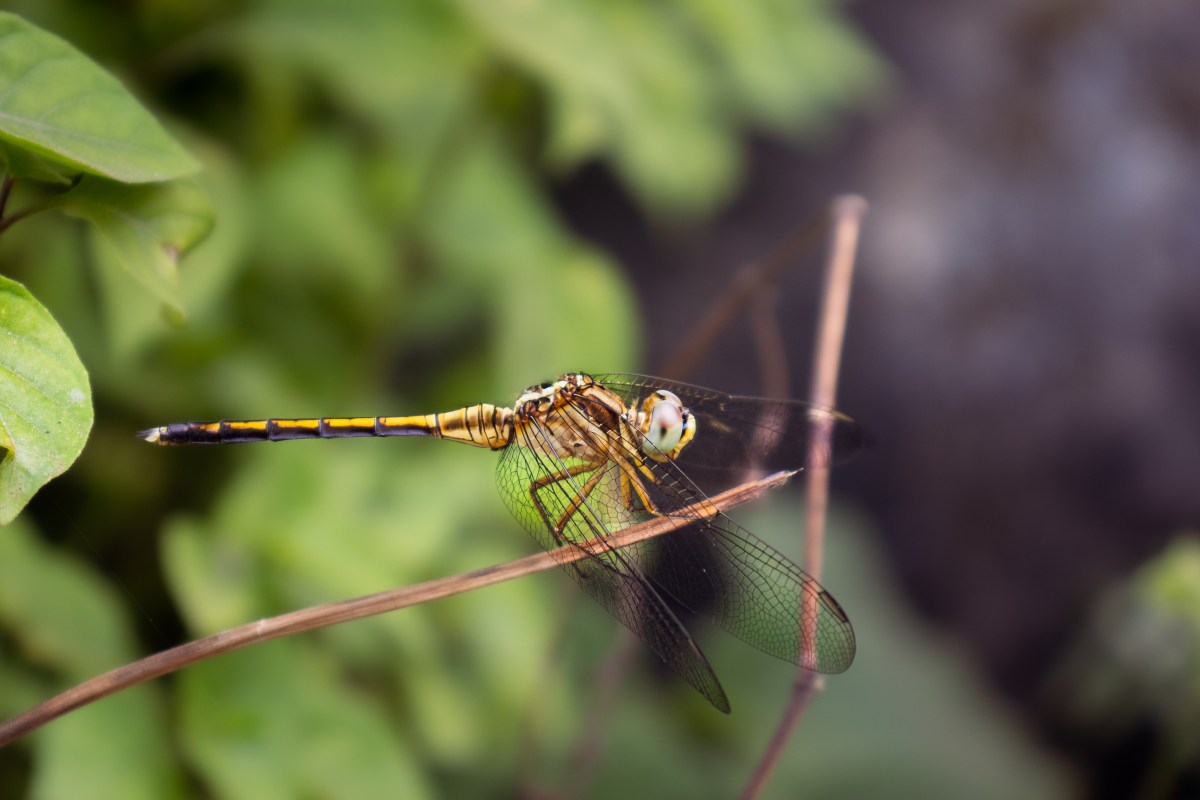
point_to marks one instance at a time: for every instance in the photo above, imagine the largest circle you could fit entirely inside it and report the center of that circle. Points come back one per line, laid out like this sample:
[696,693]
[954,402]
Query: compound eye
[667,421]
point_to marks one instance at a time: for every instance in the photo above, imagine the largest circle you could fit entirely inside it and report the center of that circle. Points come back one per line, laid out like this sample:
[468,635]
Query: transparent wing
[735,433]
[719,569]
[565,502]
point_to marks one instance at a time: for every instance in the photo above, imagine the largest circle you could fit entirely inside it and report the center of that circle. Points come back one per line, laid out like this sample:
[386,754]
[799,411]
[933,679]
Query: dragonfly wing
[719,569]
[754,592]
[611,578]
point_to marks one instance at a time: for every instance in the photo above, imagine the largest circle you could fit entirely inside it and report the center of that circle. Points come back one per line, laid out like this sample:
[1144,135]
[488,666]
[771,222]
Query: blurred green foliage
[1137,666]
[377,172]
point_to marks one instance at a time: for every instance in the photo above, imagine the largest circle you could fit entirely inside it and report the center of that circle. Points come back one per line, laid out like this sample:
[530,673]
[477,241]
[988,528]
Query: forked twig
[848,212]
[322,616]
[751,290]
[770,345]
[750,280]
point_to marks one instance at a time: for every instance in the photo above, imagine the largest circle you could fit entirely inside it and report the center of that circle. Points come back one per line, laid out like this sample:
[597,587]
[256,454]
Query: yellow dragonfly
[584,456]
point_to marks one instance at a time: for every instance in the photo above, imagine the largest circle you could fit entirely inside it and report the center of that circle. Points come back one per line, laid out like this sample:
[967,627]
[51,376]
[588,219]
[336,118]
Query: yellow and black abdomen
[483,425]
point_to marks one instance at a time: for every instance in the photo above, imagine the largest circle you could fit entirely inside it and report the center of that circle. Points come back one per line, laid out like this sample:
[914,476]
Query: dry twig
[848,212]
[751,290]
[748,284]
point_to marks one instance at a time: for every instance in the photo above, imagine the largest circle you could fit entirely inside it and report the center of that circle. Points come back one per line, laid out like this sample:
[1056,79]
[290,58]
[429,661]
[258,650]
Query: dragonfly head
[666,425]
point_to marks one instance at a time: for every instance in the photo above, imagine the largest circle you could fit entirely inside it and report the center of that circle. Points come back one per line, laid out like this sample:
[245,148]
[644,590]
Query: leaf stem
[5,190]
[17,216]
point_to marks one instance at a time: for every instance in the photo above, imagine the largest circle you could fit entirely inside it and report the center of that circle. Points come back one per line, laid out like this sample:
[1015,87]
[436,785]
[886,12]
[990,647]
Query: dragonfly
[587,455]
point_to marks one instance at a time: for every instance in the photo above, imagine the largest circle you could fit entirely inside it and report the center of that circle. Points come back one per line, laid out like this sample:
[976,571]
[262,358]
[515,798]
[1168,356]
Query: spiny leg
[614,579]
[638,471]
[573,506]
[550,479]
[631,486]
[578,501]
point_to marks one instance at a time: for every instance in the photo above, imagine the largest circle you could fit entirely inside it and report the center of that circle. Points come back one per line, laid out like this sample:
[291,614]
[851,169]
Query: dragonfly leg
[633,483]
[557,528]
[626,493]
[630,487]
[578,501]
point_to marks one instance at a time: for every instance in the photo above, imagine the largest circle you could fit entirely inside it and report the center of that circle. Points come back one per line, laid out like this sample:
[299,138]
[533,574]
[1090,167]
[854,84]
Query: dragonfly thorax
[579,418]
[543,397]
[661,423]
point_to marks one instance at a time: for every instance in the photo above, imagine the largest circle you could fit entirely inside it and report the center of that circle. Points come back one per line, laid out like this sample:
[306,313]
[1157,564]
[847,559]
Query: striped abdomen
[483,425]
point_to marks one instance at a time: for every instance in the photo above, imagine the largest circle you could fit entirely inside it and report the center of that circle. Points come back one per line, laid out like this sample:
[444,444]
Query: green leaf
[488,219]
[132,327]
[60,105]
[66,621]
[1172,581]
[273,542]
[600,314]
[145,228]
[61,614]
[45,399]
[387,60]
[116,749]
[623,82]
[758,49]
[275,721]
[329,234]
[24,164]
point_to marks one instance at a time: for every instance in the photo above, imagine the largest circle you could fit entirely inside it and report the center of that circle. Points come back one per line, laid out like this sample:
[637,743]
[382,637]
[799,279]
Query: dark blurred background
[439,206]
[1024,341]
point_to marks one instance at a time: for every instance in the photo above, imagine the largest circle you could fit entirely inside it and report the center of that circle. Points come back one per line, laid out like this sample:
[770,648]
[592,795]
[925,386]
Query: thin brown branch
[769,344]
[322,616]
[750,280]
[753,285]
[847,212]
[17,216]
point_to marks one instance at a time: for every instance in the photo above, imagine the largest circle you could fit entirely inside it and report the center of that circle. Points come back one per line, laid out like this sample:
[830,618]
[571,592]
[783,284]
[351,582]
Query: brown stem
[847,212]
[769,344]
[754,283]
[749,282]
[322,616]
[17,216]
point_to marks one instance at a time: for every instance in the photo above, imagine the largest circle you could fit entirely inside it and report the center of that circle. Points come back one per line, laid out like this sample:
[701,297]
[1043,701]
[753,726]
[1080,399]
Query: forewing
[612,578]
